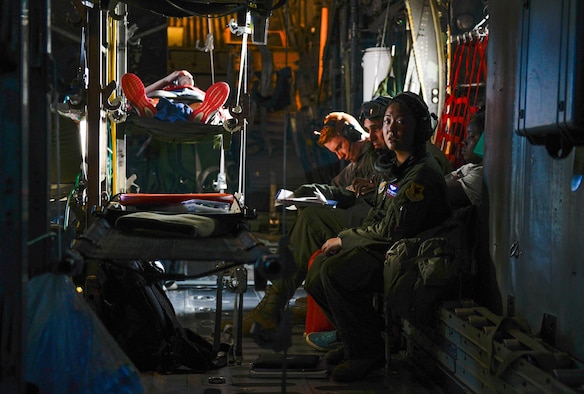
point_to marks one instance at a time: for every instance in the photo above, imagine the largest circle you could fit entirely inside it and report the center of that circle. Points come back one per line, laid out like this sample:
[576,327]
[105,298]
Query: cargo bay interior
[301,60]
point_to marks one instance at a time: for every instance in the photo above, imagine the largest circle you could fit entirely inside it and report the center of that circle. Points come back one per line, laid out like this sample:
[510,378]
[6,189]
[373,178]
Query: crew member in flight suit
[410,199]
[315,224]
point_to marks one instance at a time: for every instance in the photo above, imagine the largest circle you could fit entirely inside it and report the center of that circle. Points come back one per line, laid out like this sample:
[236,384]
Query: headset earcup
[350,133]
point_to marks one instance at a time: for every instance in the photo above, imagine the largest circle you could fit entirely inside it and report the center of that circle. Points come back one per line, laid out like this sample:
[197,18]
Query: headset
[374,108]
[348,131]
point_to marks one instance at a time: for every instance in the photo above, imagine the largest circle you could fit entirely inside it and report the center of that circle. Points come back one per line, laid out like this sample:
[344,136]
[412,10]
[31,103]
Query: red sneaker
[215,97]
[134,90]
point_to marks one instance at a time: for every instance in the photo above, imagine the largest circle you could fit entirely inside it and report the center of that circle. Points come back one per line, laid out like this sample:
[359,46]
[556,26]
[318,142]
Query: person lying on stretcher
[160,99]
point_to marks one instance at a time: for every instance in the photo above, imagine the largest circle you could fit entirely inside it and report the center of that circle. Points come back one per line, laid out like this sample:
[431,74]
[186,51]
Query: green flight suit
[314,225]
[337,189]
[413,199]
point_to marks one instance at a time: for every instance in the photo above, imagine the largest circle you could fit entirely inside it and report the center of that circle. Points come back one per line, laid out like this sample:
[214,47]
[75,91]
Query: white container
[376,63]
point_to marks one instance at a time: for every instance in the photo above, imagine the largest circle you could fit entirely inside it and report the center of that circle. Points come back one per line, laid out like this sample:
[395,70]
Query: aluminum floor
[195,305]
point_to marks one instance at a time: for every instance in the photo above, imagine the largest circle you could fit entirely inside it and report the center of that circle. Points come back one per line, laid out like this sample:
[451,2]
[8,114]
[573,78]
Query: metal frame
[24,245]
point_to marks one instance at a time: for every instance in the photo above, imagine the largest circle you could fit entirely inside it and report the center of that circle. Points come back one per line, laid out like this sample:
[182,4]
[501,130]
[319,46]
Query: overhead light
[435,93]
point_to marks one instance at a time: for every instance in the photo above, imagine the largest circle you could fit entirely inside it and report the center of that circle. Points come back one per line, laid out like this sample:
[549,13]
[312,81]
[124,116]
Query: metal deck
[195,305]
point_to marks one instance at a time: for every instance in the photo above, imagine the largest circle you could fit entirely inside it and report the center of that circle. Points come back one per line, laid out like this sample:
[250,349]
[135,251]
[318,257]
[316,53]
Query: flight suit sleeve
[345,177]
[472,183]
[362,168]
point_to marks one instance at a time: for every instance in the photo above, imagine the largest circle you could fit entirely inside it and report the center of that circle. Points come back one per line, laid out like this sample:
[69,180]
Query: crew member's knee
[327,277]
[312,279]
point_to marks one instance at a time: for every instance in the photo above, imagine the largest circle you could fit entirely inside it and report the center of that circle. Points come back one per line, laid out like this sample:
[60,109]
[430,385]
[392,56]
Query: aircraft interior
[152,155]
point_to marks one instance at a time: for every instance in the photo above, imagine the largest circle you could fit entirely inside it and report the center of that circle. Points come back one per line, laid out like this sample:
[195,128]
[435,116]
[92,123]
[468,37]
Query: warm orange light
[323,36]
[175,36]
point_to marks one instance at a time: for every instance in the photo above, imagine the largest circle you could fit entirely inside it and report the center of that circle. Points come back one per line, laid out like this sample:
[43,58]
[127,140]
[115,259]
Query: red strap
[459,105]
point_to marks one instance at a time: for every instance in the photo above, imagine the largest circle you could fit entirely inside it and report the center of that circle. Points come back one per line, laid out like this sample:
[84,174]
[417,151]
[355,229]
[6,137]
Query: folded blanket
[178,225]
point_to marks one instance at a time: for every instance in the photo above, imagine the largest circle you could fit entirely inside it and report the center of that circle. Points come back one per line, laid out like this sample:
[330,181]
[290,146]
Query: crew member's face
[341,147]
[399,127]
[375,129]
[469,144]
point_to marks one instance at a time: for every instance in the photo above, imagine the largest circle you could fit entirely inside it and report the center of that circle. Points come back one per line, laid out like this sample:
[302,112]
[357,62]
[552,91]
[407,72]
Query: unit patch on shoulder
[392,190]
[415,192]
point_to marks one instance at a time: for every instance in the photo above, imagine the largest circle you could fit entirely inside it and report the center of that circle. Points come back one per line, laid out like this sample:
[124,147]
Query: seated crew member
[164,109]
[371,116]
[410,198]
[465,185]
[373,125]
[464,188]
[314,225]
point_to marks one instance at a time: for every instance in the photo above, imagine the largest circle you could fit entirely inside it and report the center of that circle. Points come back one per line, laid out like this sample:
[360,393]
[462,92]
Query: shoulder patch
[415,192]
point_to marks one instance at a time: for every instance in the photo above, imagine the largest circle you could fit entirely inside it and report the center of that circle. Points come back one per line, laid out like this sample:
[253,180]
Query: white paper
[287,198]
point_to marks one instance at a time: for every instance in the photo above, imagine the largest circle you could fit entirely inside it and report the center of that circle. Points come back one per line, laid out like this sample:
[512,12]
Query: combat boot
[267,312]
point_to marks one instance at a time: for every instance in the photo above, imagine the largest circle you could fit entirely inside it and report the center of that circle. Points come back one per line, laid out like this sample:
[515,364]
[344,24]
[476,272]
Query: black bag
[141,318]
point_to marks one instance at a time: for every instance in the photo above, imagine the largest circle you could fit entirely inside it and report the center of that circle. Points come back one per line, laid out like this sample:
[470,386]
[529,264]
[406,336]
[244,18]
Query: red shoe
[215,97]
[134,90]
